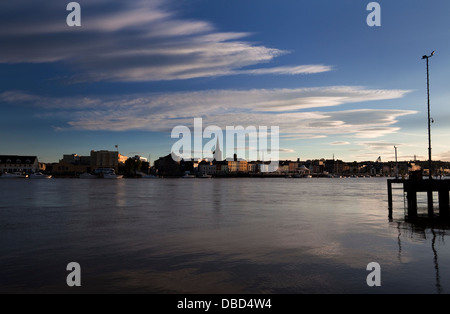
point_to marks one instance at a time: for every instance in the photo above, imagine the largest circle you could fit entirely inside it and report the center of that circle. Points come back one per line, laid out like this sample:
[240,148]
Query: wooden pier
[412,187]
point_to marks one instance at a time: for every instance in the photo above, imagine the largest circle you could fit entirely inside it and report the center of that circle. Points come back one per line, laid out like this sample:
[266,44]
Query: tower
[218,151]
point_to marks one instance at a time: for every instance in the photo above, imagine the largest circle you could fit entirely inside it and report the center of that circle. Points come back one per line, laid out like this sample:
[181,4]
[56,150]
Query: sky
[134,70]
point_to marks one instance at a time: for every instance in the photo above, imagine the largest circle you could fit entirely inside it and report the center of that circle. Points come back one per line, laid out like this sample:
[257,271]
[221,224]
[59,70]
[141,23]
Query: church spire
[218,151]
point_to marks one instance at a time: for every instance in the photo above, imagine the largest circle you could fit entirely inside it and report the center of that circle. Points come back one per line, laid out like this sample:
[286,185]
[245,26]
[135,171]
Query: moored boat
[40,175]
[87,176]
[107,173]
[149,176]
[15,175]
[112,176]
[146,176]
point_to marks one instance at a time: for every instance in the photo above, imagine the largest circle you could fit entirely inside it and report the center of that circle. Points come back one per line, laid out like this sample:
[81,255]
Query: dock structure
[412,187]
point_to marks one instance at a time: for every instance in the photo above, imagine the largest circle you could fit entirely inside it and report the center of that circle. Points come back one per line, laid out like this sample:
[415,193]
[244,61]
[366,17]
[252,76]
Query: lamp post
[396,163]
[429,118]
[430,167]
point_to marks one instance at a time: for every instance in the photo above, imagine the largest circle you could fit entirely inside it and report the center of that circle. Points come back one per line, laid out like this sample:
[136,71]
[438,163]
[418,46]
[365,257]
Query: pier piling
[389,187]
[412,187]
[430,202]
[444,208]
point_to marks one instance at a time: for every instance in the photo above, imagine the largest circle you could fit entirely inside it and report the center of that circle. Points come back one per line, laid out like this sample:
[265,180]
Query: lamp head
[426,57]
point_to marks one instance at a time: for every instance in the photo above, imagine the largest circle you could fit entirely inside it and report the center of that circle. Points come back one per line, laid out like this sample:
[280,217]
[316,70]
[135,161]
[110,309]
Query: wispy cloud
[303,69]
[285,108]
[444,156]
[380,145]
[132,41]
[374,149]
[18,97]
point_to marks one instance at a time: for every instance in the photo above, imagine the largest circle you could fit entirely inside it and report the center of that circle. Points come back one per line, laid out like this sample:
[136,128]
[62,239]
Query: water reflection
[399,241]
[224,236]
[436,262]
[424,231]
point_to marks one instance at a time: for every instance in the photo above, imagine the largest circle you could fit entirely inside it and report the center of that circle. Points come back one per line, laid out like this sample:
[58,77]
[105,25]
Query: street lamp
[396,163]
[429,118]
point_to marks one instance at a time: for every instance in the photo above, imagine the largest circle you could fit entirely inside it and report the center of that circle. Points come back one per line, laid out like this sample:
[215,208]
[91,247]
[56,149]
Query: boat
[87,176]
[112,176]
[299,175]
[149,176]
[15,175]
[40,175]
[188,175]
[204,176]
[107,173]
[146,176]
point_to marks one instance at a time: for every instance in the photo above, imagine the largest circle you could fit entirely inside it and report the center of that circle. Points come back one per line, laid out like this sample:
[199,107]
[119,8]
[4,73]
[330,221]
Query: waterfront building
[388,170]
[136,157]
[264,166]
[64,168]
[15,163]
[72,165]
[166,166]
[238,166]
[318,166]
[252,167]
[233,166]
[190,166]
[206,168]
[303,170]
[243,166]
[105,159]
[221,166]
[293,166]
[73,158]
[283,166]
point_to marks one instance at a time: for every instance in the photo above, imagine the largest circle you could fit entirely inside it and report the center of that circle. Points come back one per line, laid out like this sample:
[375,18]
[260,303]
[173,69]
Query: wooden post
[444,209]
[412,203]
[389,187]
[430,201]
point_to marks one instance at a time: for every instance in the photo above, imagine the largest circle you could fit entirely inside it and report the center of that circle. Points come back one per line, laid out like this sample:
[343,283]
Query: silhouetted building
[166,166]
[190,166]
[105,159]
[72,165]
[335,166]
[15,163]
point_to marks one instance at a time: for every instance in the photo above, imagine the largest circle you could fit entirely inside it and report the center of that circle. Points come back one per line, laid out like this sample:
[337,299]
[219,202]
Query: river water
[246,235]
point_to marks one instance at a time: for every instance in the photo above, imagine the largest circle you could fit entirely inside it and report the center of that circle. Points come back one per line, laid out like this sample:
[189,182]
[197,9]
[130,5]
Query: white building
[14,163]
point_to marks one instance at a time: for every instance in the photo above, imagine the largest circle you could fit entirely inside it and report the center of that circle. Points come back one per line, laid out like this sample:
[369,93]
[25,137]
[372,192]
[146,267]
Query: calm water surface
[214,236]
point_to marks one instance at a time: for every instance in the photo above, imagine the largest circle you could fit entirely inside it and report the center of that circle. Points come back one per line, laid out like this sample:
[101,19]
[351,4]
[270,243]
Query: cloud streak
[132,41]
[295,111]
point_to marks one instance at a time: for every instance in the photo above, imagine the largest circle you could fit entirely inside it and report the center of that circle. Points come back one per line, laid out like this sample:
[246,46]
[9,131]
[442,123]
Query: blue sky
[136,69]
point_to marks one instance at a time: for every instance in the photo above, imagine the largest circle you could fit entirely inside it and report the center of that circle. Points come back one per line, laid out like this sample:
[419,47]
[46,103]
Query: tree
[133,165]
[145,166]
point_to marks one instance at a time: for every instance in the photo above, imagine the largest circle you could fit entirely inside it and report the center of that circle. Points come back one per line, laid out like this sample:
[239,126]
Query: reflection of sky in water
[214,236]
